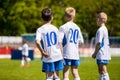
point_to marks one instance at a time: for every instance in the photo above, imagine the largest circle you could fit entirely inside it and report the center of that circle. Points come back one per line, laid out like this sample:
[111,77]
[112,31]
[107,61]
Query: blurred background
[19,20]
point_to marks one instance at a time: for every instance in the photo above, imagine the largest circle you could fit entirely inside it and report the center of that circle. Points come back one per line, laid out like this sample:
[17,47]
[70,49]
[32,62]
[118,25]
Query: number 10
[51,38]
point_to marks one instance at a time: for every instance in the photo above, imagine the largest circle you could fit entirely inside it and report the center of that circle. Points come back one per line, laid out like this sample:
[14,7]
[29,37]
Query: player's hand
[93,55]
[45,54]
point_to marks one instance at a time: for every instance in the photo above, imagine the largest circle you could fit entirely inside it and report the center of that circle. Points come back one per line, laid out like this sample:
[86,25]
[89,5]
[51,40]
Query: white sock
[66,79]
[101,77]
[28,59]
[57,79]
[77,78]
[22,62]
[49,79]
[106,76]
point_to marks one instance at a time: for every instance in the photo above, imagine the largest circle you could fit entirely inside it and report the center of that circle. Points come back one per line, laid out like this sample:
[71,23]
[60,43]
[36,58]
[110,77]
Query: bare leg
[66,73]
[22,62]
[56,75]
[103,72]
[75,72]
[49,75]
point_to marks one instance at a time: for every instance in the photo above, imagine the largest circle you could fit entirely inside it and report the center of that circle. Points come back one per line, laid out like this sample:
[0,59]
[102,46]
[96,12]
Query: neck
[47,22]
[70,20]
[102,24]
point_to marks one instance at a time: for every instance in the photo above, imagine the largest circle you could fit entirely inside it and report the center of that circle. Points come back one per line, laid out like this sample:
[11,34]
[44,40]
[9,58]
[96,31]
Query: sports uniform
[48,37]
[25,50]
[70,35]
[25,55]
[103,54]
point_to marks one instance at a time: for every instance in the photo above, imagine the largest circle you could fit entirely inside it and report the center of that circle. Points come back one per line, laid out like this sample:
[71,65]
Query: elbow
[98,44]
[36,42]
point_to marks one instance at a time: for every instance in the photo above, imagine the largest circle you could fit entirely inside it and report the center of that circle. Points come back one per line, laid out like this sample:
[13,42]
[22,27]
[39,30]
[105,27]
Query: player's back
[72,36]
[49,42]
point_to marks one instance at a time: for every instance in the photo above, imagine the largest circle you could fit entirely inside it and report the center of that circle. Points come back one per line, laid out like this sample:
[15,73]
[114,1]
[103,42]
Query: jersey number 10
[51,38]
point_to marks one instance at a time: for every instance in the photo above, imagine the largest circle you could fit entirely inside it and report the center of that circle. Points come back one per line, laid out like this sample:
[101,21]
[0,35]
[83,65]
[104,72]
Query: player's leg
[56,75]
[66,72]
[28,61]
[103,70]
[58,66]
[49,75]
[67,63]
[75,72]
[74,68]
[49,69]
[22,61]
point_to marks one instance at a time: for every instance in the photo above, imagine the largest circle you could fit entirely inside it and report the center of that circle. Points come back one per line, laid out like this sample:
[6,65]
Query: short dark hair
[47,14]
[24,41]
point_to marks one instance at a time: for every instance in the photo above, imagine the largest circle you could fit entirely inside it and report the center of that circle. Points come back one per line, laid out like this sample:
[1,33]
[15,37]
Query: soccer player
[101,52]
[47,43]
[70,38]
[25,51]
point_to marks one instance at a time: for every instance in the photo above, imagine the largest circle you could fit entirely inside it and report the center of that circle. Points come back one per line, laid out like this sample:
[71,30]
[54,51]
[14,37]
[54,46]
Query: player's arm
[60,44]
[41,50]
[60,38]
[99,38]
[97,47]
[81,40]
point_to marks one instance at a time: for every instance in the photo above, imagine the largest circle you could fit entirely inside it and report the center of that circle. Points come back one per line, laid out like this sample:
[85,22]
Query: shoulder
[75,25]
[25,45]
[64,25]
[41,28]
[67,25]
[38,29]
[105,28]
[100,29]
[53,27]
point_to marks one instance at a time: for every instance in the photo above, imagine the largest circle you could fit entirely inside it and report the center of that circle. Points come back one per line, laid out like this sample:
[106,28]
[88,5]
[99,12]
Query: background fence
[8,43]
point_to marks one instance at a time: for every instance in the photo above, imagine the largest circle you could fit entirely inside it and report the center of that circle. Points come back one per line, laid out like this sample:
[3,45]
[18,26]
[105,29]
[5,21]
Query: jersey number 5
[51,38]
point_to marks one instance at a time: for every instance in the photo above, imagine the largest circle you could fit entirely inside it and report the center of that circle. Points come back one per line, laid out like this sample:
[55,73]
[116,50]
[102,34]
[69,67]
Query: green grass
[11,70]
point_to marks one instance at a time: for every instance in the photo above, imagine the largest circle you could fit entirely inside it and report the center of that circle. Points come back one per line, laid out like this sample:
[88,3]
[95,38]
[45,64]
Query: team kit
[60,47]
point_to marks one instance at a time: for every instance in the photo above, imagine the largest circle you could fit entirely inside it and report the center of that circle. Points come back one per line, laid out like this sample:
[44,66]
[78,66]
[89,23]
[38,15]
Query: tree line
[23,16]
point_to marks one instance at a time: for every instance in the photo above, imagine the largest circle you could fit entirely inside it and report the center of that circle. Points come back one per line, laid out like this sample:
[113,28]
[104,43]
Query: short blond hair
[70,12]
[102,16]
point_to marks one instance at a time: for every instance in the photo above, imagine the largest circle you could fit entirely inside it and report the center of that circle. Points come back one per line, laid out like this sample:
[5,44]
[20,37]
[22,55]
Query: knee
[102,72]
[75,74]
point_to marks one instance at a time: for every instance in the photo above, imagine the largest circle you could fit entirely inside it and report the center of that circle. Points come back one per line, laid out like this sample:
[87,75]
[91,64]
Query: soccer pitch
[11,70]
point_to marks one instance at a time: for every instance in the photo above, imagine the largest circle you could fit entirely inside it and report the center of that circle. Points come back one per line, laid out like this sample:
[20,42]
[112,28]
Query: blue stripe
[64,42]
[42,44]
[102,44]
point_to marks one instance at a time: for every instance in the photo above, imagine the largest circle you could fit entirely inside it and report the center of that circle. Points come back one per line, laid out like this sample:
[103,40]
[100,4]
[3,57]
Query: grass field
[11,70]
